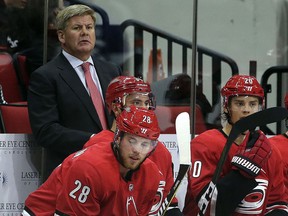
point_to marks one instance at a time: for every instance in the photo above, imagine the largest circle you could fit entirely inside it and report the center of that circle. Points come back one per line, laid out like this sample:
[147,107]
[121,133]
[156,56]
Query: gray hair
[73,10]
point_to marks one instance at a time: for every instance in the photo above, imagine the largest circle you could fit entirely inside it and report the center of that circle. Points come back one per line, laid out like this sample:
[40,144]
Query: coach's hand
[252,154]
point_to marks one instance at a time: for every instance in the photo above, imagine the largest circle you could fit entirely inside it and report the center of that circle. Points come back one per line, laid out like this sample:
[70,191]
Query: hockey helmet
[122,86]
[239,85]
[138,121]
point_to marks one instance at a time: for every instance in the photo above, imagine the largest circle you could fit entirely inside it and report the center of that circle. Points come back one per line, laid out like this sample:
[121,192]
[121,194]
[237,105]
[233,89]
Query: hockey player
[281,142]
[240,190]
[124,91]
[108,178]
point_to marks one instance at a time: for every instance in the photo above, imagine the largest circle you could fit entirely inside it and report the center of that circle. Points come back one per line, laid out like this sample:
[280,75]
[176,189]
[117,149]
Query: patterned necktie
[95,94]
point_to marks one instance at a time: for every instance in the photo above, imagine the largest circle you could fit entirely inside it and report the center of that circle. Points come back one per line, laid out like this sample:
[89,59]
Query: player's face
[78,38]
[138,100]
[243,106]
[133,150]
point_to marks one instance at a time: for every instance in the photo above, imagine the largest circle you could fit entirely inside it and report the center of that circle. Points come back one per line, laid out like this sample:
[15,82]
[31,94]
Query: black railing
[217,58]
[278,71]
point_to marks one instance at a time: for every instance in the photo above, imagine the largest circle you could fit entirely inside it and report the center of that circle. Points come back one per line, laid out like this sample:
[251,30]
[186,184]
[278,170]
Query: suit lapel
[71,78]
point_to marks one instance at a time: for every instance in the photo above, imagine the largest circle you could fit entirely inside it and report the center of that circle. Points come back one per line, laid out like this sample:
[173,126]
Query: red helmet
[122,86]
[138,121]
[240,85]
[286,100]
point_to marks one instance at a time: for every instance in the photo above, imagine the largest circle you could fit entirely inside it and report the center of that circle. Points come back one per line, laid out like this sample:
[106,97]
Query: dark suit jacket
[61,112]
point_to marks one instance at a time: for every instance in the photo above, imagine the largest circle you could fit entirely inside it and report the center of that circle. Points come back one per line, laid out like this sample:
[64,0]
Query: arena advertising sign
[20,163]
[170,141]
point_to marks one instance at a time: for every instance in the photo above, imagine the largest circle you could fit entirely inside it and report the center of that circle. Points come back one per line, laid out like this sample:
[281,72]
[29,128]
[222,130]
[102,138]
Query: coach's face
[78,38]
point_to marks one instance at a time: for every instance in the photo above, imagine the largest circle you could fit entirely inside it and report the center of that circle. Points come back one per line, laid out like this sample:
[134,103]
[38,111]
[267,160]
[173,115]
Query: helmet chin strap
[115,146]
[228,114]
[230,122]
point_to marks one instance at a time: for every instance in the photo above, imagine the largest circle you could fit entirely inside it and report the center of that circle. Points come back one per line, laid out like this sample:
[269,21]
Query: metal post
[45,32]
[45,37]
[193,74]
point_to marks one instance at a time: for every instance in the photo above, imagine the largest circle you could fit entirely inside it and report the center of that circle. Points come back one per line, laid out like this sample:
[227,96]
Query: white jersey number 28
[85,190]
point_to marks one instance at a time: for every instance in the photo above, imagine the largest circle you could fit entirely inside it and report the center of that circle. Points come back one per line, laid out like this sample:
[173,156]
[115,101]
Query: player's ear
[116,109]
[225,109]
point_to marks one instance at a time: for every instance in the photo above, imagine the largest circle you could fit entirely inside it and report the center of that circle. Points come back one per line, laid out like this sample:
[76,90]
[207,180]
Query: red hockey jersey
[281,142]
[161,157]
[42,202]
[205,153]
[99,191]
